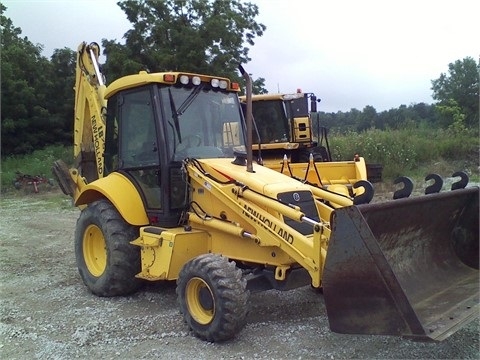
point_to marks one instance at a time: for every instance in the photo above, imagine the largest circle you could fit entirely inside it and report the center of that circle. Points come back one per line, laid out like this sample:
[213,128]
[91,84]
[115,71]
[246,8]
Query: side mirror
[313,103]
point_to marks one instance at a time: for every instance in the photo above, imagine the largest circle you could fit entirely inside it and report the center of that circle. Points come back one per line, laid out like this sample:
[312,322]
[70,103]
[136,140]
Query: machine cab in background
[151,128]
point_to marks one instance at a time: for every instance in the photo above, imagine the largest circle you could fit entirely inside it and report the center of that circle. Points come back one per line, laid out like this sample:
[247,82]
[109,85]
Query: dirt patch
[47,313]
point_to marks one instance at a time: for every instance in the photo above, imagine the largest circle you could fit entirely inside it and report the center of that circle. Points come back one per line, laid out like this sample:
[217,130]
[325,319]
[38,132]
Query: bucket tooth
[406,190]
[436,186]
[462,183]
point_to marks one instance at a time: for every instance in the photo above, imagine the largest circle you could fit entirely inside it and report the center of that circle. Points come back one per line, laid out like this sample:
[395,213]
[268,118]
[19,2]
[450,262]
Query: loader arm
[89,125]
[264,215]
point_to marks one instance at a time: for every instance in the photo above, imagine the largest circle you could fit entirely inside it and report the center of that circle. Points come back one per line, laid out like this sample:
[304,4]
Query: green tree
[367,119]
[120,61]
[459,89]
[451,110]
[25,74]
[258,86]
[61,94]
[203,36]
[37,94]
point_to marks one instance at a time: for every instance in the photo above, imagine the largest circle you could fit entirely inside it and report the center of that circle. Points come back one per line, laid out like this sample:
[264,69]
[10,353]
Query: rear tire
[106,260]
[213,298]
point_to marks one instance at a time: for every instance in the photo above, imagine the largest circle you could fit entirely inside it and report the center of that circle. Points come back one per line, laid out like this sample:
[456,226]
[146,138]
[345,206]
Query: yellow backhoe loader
[288,138]
[283,126]
[168,190]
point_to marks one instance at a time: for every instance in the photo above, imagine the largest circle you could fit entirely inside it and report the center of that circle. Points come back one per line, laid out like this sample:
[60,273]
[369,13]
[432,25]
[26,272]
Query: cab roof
[275,96]
[170,78]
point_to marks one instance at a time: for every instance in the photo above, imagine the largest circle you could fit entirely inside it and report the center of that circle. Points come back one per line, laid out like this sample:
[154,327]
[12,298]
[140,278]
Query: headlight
[223,84]
[196,80]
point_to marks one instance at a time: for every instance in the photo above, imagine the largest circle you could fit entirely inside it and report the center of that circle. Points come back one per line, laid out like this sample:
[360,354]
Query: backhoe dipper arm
[90,108]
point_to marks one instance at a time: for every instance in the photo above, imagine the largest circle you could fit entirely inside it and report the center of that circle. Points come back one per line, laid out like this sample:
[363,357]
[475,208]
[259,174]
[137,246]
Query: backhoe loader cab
[155,121]
[283,127]
[284,139]
[164,177]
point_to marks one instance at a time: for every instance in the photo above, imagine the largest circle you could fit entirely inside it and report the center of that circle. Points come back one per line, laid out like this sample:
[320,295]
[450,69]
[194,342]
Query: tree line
[457,107]
[200,36]
[357,121]
[37,93]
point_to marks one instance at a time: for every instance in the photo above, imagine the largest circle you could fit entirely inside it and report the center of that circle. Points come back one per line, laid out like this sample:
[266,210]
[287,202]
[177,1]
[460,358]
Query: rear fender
[122,194]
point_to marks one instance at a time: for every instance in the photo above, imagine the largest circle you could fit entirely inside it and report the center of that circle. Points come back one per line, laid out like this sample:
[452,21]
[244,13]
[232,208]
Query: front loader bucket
[407,267]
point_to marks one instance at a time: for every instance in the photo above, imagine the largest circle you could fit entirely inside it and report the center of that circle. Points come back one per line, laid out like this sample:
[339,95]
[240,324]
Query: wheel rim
[94,250]
[200,301]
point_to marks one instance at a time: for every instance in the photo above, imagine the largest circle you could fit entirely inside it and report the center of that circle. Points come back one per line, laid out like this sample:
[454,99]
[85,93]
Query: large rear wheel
[106,260]
[319,155]
[212,296]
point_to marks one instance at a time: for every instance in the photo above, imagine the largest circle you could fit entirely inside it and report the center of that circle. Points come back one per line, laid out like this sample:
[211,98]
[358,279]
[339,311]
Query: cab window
[138,146]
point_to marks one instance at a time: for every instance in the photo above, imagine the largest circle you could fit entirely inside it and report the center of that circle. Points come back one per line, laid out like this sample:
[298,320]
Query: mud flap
[407,267]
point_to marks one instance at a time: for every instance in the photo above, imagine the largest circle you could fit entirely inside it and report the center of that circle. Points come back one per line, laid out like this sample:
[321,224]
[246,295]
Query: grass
[39,163]
[414,152]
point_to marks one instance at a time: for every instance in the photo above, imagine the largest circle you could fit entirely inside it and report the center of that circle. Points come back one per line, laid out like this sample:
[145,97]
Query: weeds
[410,151]
[38,163]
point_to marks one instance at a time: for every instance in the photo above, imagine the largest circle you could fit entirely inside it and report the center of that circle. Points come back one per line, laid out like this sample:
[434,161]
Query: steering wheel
[189,141]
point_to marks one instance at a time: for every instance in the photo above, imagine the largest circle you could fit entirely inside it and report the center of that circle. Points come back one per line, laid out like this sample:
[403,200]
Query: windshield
[297,107]
[271,121]
[201,122]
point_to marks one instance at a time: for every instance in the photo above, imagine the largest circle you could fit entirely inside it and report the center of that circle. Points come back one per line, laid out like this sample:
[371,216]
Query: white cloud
[350,53]
[358,53]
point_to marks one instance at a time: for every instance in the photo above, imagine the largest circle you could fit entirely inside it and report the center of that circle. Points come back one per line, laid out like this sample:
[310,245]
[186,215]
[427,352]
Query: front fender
[121,193]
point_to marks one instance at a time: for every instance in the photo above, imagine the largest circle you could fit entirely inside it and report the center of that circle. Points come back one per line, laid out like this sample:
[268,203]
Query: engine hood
[262,179]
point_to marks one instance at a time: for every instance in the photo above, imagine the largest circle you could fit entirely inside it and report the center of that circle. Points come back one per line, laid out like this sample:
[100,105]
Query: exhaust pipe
[248,81]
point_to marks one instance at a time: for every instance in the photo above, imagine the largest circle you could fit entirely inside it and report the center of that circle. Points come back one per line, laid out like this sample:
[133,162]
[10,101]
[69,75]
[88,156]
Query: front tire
[318,155]
[106,260]
[212,295]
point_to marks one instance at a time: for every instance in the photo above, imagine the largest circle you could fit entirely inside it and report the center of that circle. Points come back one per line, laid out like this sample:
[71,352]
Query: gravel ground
[47,313]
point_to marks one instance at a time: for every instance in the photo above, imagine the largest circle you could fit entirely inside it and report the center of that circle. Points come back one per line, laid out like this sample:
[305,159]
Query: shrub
[403,152]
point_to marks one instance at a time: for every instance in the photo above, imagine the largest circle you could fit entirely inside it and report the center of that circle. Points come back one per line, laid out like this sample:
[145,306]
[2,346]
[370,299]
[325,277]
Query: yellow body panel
[275,146]
[302,130]
[335,172]
[121,192]
[164,253]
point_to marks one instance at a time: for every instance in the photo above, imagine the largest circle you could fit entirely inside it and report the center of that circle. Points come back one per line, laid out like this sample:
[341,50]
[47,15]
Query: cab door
[132,148]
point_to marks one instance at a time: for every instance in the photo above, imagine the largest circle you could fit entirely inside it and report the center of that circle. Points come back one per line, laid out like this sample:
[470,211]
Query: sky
[349,53]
